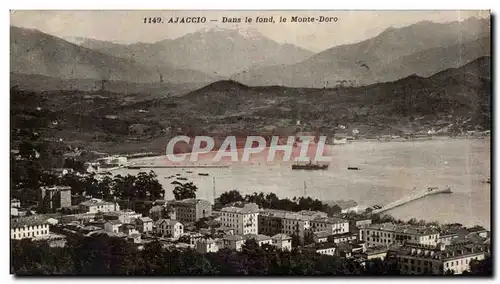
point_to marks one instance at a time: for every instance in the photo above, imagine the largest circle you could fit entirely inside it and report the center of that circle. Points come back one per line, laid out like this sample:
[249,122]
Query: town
[64,214]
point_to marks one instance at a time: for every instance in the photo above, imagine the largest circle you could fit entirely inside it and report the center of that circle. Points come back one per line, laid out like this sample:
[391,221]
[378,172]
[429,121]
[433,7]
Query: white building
[28,227]
[170,228]
[207,246]
[388,234]
[234,242]
[112,226]
[260,239]
[126,216]
[334,226]
[282,241]
[15,203]
[241,220]
[144,224]
[95,205]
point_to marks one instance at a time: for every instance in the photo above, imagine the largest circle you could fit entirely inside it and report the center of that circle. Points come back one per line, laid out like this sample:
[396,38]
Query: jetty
[176,166]
[410,198]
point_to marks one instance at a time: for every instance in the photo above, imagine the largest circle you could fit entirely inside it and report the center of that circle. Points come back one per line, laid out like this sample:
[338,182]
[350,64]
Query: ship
[309,166]
[203,174]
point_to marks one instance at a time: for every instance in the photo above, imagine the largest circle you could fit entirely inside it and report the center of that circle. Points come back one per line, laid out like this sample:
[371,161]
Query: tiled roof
[233,238]
[248,208]
[405,229]
[322,234]
[330,220]
[34,220]
[145,219]
[257,237]
[95,202]
[281,237]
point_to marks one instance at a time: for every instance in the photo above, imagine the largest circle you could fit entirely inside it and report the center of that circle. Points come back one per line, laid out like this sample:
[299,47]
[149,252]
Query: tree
[230,197]
[481,267]
[184,190]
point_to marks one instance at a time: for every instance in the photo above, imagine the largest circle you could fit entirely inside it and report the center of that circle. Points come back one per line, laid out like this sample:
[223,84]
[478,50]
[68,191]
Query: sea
[387,172]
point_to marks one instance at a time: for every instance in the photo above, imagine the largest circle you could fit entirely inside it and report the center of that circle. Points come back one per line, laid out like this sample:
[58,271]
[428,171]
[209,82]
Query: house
[144,224]
[207,246]
[282,241]
[321,236]
[389,234]
[56,197]
[260,239]
[126,216]
[479,230]
[376,252]
[234,242]
[169,228]
[321,248]
[134,238]
[28,227]
[112,226]
[243,220]
[191,210]
[331,225]
[128,229]
[15,203]
[95,205]
[415,259]
[157,212]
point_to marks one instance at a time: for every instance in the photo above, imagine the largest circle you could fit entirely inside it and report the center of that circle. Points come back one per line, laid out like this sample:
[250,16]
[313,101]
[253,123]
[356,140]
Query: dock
[410,198]
[136,167]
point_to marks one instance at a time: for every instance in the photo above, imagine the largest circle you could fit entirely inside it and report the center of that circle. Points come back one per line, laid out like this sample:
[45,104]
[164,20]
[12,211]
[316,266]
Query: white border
[198,5]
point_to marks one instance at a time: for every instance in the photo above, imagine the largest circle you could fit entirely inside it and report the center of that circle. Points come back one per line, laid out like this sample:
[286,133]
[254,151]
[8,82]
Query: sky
[128,26]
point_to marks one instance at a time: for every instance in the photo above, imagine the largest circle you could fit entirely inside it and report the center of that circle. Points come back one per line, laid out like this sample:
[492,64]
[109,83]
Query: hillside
[423,49]
[455,99]
[34,52]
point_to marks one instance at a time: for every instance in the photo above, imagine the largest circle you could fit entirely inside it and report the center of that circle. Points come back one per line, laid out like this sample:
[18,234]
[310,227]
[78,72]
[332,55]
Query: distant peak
[250,33]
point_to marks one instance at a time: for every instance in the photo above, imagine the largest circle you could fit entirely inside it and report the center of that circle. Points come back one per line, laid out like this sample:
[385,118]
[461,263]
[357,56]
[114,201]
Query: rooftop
[145,219]
[321,246]
[258,238]
[233,238]
[95,202]
[33,220]
[322,234]
[246,209]
[187,201]
[330,220]
[451,252]
[281,237]
[404,229]
[57,187]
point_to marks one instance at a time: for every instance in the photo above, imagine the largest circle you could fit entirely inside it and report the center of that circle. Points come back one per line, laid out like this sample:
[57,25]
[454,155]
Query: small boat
[189,172]
[134,167]
[203,174]
[353,168]
[177,174]
[181,178]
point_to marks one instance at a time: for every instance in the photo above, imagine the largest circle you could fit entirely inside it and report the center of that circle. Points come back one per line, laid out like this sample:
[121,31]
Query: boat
[181,178]
[353,168]
[189,172]
[309,166]
[134,167]
[203,174]
[177,174]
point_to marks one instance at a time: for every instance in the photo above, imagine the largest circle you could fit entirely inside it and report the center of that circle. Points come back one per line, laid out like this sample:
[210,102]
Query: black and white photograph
[250,143]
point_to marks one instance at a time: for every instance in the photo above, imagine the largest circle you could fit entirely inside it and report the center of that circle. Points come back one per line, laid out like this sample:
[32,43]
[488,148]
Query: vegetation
[103,255]
[184,190]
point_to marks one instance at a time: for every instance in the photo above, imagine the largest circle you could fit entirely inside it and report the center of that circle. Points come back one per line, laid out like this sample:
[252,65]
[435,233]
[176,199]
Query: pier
[410,198]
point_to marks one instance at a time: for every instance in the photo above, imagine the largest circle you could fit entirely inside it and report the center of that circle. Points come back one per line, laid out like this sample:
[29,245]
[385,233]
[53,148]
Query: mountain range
[249,57]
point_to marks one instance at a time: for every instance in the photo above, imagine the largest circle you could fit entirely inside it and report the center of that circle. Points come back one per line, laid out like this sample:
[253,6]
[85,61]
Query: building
[234,242]
[128,229]
[321,236]
[260,239]
[52,198]
[126,216]
[207,246]
[322,248]
[134,238]
[282,241]
[389,234]
[28,227]
[191,210]
[479,230]
[332,225]
[144,224]
[242,220]
[95,205]
[376,252]
[158,212]
[112,226]
[15,203]
[417,259]
[169,228]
